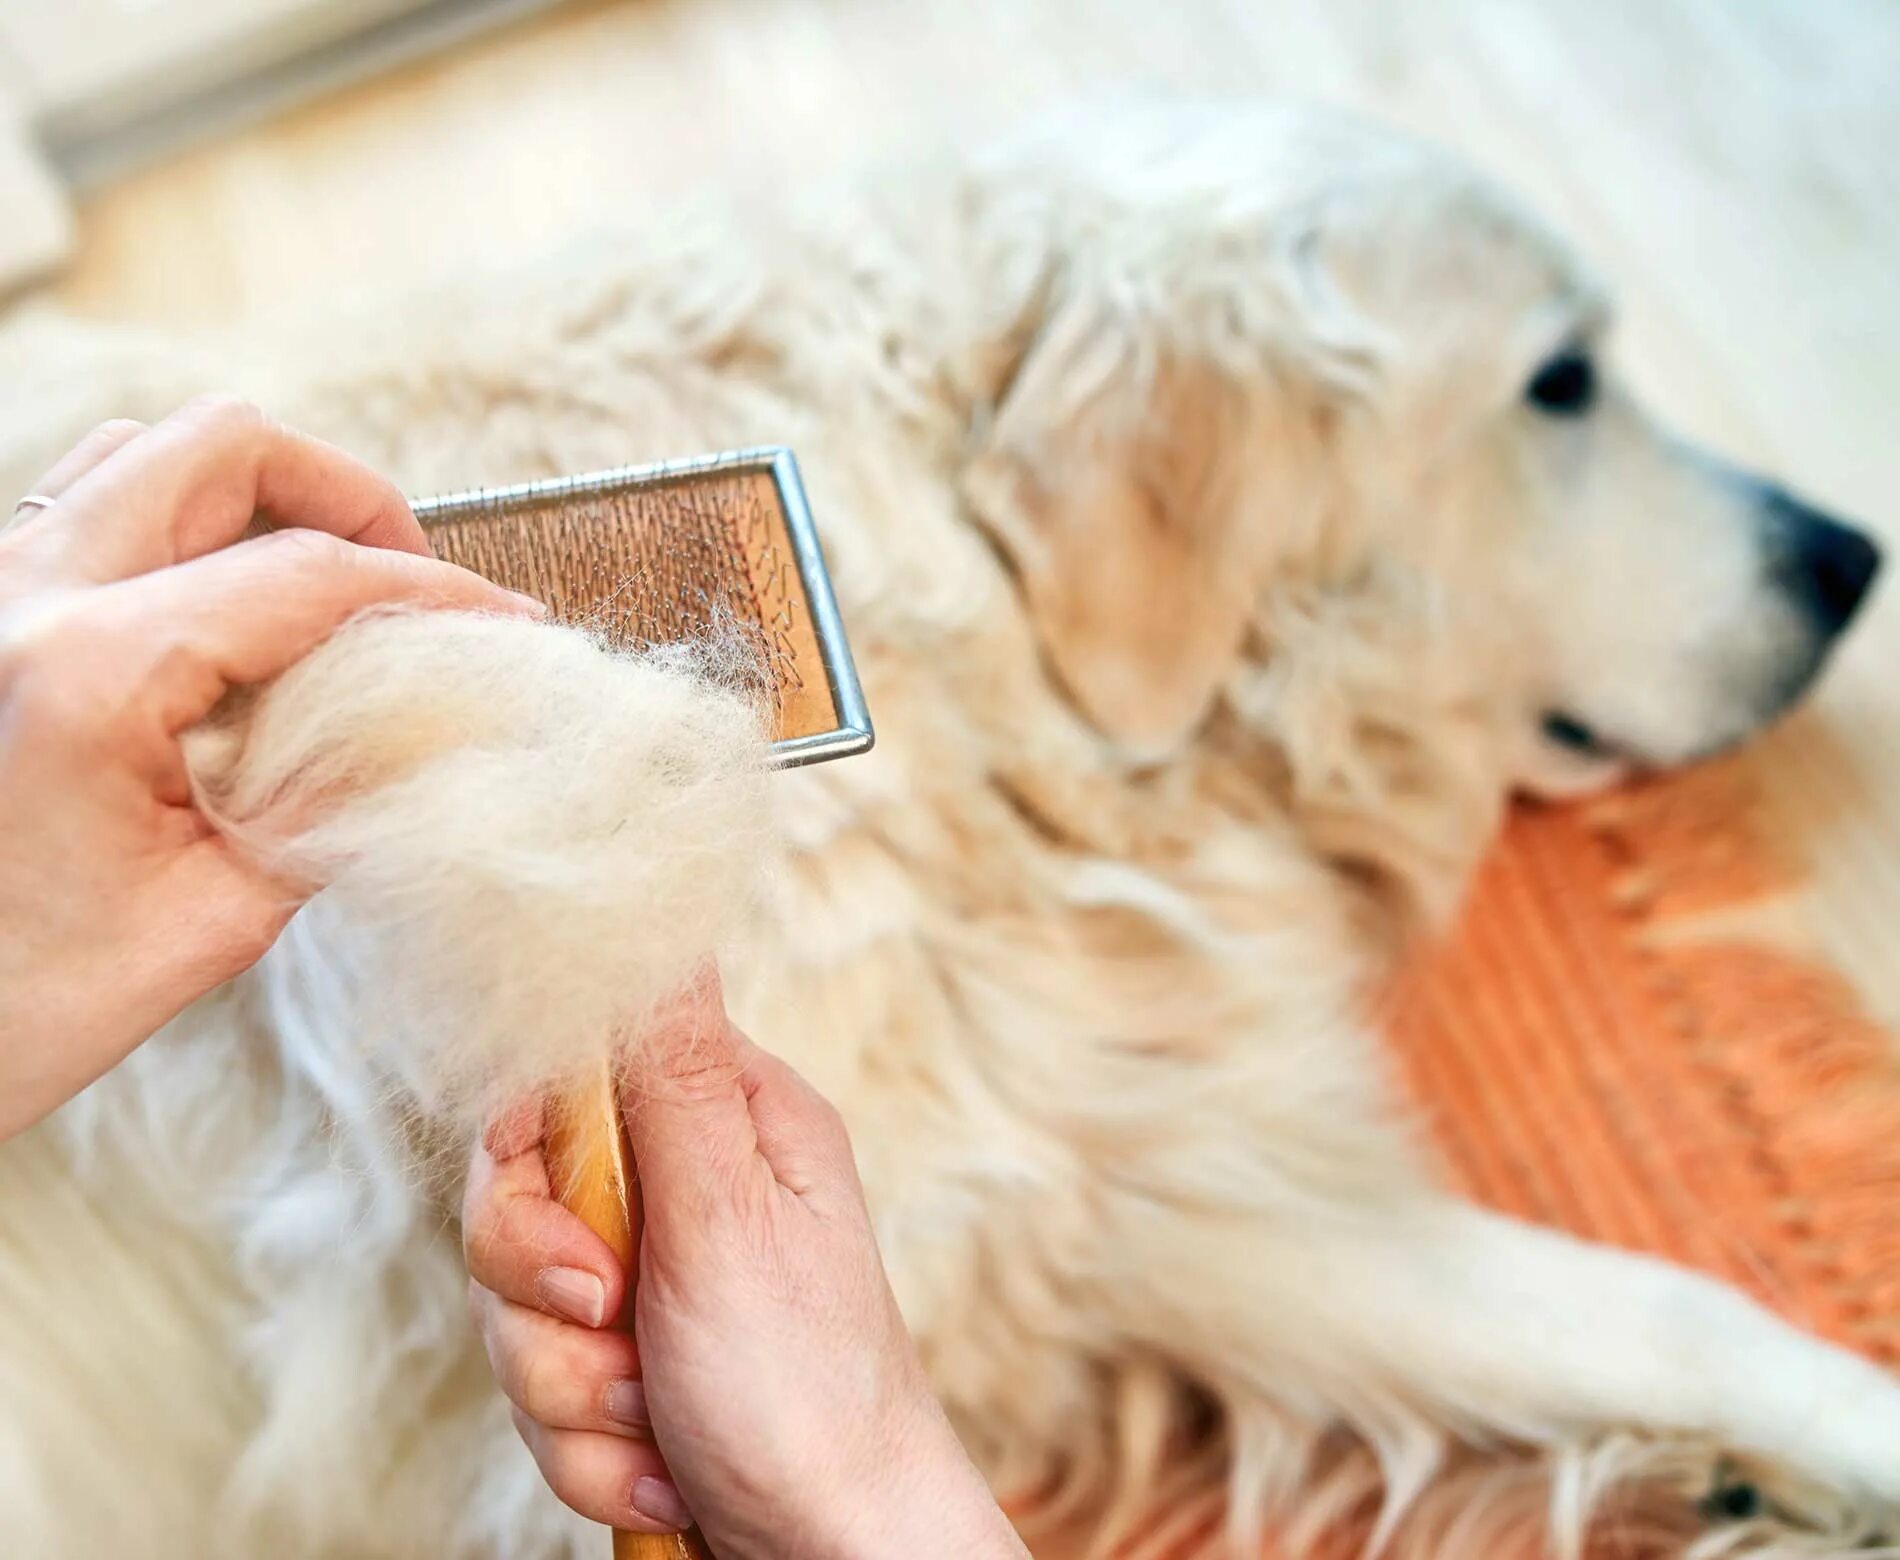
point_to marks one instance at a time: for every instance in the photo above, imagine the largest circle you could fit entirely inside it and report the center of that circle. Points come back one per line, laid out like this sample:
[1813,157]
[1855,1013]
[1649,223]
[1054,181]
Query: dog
[1231,506]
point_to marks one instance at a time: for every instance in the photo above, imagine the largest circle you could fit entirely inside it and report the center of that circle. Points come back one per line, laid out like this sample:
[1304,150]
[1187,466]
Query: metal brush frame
[853,733]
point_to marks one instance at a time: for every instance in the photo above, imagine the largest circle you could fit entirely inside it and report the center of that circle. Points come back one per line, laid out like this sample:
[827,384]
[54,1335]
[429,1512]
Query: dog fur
[1210,579]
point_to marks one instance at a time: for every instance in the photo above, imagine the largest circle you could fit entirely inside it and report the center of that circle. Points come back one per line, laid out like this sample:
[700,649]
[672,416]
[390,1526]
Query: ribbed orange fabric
[1587,1060]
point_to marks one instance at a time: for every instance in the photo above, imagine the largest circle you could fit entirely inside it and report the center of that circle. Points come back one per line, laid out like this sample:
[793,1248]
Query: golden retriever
[1230,507]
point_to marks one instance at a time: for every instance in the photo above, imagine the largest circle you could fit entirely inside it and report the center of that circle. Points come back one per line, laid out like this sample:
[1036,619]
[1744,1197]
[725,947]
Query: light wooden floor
[1735,167]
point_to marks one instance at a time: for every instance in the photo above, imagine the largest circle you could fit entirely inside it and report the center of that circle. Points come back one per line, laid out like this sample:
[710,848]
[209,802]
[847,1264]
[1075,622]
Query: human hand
[128,606]
[769,1386]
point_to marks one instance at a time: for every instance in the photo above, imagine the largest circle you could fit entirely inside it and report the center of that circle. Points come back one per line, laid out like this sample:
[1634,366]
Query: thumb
[689,1123]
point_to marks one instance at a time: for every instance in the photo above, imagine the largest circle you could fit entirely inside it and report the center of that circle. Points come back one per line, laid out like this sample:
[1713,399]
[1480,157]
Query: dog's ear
[1135,484]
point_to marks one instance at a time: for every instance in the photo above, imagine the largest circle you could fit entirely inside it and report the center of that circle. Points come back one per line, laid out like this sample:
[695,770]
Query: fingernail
[532,604]
[658,1501]
[627,1405]
[577,1295]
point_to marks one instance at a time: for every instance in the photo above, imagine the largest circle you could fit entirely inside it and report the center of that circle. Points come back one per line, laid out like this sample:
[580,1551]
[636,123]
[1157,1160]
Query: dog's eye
[1565,386]
[1568,732]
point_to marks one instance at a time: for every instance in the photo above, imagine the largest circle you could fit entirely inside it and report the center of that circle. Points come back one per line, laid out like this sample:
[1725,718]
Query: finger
[246,613]
[606,1478]
[515,1130]
[88,453]
[195,481]
[801,1135]
[525,1247]
[563,1376]
[689,1124]
[33,541]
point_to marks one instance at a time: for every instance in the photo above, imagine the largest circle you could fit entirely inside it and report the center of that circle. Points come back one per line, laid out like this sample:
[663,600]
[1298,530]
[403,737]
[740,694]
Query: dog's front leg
[1495,1328]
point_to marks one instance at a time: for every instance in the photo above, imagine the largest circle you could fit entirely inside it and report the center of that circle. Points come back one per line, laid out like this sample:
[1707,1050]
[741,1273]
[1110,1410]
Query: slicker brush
[653,555]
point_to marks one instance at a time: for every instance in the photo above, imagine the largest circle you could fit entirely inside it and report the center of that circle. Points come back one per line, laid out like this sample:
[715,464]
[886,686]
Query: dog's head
[1307,447]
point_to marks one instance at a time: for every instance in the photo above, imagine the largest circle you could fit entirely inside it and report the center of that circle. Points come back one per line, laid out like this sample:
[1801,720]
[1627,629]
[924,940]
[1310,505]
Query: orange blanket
[1609,1043]
[1592,1053]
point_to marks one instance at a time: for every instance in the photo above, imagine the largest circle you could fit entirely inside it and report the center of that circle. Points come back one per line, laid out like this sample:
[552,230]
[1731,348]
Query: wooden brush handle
[591,1169]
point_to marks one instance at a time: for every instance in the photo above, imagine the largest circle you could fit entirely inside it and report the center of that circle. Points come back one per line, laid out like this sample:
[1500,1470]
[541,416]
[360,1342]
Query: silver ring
[34,501]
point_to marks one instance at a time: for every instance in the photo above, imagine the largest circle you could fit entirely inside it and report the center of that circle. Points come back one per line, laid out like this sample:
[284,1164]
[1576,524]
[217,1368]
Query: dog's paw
[1756,1511]
[1662,1498]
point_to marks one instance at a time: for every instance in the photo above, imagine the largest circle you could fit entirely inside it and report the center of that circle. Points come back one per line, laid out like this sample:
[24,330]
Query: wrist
[925,1500]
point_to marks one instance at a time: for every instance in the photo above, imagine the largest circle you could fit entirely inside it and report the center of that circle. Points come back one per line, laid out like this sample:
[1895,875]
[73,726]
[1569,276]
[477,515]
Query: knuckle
[42,701]
[529,1381]
[301,549]
[474,1216]
[32,641]
[826,1122]
[581,1483]
[115,430]
[225,415]
[696,1083]
[474,1198]
[45,658]
[481,1239]
[828,1118]
[500,1248]
[532,1438]
[571,1487]
[244,939]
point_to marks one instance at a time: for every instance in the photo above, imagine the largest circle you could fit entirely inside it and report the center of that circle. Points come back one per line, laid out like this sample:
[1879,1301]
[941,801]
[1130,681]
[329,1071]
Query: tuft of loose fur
[527,839]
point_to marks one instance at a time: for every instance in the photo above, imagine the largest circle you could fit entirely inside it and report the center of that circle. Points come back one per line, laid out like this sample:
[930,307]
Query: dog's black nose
[1827,565]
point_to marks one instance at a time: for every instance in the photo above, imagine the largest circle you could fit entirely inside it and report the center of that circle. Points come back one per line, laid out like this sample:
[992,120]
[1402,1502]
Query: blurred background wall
[1734,165]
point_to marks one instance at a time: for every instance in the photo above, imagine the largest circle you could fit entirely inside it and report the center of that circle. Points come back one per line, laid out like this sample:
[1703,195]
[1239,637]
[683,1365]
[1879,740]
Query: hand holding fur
[124,616]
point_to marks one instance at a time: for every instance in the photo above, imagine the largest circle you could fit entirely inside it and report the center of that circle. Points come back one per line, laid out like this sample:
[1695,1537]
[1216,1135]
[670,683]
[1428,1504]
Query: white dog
[1229,508]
